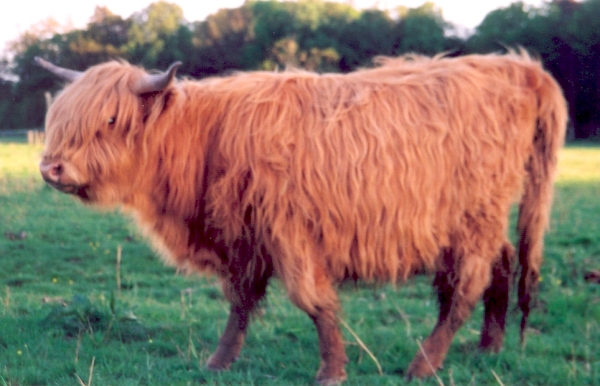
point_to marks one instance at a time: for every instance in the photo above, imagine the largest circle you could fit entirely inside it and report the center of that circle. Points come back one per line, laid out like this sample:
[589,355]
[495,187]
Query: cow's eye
[111,120]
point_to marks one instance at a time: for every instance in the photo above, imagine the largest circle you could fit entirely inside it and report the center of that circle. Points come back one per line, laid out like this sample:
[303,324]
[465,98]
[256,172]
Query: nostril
[56,170]
[52,171]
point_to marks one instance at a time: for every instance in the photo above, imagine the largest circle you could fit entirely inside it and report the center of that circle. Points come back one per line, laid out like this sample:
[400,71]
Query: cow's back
[377,170]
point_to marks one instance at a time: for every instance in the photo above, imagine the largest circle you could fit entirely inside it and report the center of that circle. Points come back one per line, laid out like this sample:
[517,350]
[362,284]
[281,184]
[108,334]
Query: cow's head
[95,126]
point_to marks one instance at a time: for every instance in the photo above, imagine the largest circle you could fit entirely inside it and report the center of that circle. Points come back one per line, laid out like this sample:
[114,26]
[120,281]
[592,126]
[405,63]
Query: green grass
[60,308]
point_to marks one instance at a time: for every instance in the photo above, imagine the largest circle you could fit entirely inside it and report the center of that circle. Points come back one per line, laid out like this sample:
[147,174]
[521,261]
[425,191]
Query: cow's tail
[538,188]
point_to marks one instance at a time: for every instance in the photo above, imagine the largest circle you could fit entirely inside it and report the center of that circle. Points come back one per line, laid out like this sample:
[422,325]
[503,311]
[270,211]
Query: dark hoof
[421,368]
[215,364]
[331,381]
[330,376]
[491,344]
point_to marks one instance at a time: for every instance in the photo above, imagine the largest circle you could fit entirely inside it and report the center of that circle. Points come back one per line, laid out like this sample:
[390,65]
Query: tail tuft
[537,195]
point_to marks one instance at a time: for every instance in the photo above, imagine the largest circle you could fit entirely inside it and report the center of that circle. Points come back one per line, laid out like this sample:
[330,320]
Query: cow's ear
[154,104]
[156,82]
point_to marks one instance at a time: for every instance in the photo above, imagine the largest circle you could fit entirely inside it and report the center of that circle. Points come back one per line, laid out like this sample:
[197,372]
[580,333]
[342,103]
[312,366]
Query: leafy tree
[105,38]
[583,37]
[6,93]
[222,42]
[178,47]
[313,34]
[304,33]
[150,30]
[26,106]
[108,29]
[565,35]
[421,30]
[372,33]
[505,26]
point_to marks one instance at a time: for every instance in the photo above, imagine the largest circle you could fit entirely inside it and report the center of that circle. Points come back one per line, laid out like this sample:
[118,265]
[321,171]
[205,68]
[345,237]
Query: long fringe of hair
[367,175]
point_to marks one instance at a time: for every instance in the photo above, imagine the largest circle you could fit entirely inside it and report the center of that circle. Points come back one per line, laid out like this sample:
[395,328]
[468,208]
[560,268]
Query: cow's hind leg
[460,284]
[495,299]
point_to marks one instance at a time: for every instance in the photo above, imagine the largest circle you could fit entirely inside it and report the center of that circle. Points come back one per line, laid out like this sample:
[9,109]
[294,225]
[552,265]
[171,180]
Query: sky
[20,15]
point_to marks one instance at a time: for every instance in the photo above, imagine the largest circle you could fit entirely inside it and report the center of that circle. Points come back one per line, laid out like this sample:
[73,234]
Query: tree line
[313,34]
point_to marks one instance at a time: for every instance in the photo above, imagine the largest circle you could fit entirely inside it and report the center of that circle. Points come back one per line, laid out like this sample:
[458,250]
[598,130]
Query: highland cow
[376,175]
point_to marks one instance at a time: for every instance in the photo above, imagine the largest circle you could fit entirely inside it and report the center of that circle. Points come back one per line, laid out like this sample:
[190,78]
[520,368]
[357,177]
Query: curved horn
[156,82]
[63,73]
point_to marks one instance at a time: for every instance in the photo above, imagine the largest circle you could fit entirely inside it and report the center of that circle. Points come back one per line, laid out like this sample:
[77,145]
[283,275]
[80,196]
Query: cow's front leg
[244,291]
[232,340]
[321,303]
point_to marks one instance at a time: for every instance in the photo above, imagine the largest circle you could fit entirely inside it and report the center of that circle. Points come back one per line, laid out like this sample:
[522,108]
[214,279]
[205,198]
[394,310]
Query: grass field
[64,321]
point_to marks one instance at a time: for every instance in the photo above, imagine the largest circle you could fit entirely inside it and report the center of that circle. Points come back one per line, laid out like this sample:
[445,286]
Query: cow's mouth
[80,191]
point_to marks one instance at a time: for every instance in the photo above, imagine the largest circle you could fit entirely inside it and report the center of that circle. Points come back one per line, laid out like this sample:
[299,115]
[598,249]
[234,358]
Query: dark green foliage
[565,35]
[312,34]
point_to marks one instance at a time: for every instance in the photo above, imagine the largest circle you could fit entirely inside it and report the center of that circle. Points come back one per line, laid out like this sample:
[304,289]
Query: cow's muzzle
[53,172]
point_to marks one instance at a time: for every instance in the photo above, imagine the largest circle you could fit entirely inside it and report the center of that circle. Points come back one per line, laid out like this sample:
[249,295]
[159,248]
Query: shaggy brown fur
[376,175]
